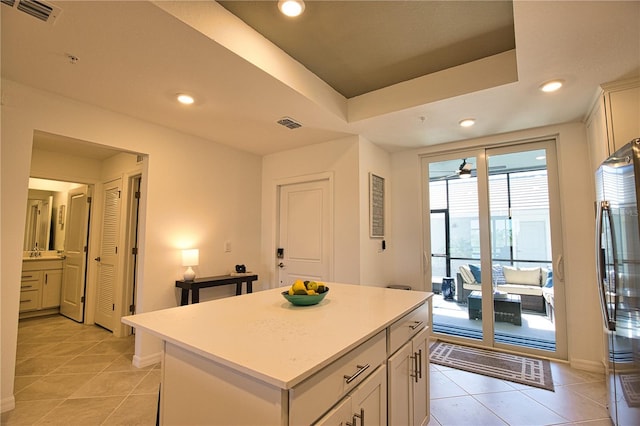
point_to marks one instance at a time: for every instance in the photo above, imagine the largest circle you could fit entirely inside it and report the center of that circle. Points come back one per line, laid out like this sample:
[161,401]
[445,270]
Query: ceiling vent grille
[289,123]
[38,9]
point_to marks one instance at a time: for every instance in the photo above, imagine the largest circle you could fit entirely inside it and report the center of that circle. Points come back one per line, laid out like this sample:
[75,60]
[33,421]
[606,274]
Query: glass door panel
[454,240]
[520,223]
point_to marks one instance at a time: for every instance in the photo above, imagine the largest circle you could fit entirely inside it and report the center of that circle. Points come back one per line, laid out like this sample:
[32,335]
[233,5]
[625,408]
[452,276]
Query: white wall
[576,186]
[196,193]
[339,158]
[375,263]
[358,259]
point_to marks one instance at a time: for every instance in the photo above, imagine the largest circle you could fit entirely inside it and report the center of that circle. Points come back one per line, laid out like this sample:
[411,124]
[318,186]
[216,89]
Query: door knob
[97,259]
[281,265]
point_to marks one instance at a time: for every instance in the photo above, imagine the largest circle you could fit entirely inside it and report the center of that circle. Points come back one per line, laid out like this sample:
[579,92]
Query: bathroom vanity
[40,286]
[257,359]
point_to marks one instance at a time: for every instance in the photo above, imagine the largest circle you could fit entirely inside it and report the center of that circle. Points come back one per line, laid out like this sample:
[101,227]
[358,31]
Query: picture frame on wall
[376,206]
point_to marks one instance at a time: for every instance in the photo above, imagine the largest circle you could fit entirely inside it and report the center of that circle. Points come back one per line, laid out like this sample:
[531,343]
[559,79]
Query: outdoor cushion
[475,271]
[498,275]
[525,276]
[467,276]
[549,281]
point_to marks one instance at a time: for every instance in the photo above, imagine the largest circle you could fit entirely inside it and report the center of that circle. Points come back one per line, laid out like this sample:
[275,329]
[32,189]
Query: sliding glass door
[493,236]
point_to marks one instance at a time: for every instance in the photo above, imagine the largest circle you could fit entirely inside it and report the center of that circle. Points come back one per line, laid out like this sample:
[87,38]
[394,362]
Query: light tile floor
[73,374]
[459,398]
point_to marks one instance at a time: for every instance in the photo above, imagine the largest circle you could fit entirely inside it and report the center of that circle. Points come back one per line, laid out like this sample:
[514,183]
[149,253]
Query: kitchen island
[257,359]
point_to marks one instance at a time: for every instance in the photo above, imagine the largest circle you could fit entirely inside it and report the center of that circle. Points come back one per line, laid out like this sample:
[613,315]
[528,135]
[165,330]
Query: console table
[195,285]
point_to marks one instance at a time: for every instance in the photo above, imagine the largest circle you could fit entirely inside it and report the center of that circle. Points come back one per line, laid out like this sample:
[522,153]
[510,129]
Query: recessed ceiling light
[467,122]
[291,7]
[551,86]
[185,99]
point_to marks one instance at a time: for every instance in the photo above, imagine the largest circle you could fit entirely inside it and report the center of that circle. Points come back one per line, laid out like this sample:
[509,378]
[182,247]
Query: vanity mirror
[37,233]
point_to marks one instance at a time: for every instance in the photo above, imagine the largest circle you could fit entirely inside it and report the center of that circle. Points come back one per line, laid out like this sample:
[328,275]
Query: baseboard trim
[146,361]
[8,404]
[586,365]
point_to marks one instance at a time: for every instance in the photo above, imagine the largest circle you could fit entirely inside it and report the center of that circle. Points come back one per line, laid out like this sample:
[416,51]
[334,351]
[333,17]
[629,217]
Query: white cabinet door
[409,382]
[623,107]
[369,401]
[365,405]
[51,288]
[420,385]
[400,369]
[340,415]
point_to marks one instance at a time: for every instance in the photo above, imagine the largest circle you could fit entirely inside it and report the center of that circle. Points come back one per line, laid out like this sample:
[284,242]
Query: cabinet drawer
[313,397]
[30,276]
[29,300]
[408,326]
[31,280]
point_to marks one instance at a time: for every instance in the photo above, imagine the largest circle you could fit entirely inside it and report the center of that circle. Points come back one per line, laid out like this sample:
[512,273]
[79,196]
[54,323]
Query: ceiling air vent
[38,9]
[289,123]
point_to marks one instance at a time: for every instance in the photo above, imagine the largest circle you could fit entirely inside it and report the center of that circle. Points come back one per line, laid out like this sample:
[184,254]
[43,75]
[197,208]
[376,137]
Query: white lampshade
[190,257]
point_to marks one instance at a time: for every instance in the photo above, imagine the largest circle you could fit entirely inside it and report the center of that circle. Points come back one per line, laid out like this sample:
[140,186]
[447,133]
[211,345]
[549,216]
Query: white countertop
[261,334]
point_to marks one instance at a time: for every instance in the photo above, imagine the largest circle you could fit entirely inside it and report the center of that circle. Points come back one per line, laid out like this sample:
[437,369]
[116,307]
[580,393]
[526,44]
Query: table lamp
[189,259]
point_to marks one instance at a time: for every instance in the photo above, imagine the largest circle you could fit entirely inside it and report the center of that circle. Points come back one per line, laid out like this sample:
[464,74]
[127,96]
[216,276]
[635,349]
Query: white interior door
[108,260]
[304,232]
[75,263]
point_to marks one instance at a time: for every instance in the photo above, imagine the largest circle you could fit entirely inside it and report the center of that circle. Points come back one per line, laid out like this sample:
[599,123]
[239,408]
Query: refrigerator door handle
[603,206]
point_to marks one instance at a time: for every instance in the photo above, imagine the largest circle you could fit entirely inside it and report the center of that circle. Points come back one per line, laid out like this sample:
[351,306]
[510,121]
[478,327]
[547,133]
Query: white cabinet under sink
[40,286]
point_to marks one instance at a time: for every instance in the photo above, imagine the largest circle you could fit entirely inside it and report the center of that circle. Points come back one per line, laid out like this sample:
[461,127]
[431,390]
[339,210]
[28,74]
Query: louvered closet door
[109,260]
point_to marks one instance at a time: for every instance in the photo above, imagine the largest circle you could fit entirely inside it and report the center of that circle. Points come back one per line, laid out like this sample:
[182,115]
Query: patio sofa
[527,282]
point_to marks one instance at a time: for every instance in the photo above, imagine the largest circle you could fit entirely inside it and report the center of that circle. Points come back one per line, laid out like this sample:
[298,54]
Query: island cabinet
[256,359]
[409,382]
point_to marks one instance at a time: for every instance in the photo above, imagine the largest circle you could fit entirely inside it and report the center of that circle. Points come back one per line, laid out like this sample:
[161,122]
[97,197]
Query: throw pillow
[526,276]
[498,276]
[466,274]
[549,281]
[475,270]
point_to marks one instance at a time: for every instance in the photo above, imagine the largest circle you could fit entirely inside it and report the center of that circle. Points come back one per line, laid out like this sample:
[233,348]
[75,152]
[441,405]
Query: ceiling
[401,74]
[361,46]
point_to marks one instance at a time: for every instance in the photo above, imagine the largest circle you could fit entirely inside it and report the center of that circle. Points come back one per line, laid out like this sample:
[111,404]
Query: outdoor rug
[513,368]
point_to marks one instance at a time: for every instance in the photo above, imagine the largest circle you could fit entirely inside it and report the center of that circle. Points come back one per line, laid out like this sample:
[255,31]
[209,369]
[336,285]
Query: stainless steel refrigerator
[618,261]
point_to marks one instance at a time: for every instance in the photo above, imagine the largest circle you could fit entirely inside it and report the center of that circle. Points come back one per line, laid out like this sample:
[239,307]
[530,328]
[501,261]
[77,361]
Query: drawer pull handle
[25,301]
[361,369]
[26,286]
[27,276]
[415,325]
[414,357]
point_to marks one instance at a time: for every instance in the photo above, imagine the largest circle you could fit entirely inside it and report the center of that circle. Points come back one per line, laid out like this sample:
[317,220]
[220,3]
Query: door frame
[479,152]
[328,176]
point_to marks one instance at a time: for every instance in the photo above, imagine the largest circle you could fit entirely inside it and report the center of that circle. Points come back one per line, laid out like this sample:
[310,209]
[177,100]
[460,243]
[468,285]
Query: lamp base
[189,274]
